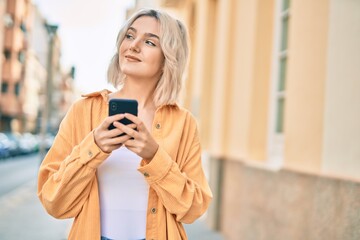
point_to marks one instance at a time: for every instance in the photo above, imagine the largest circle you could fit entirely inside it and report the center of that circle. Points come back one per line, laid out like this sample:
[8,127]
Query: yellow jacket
[179,192]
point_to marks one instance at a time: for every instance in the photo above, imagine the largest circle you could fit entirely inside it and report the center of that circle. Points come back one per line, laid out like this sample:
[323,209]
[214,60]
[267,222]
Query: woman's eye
[150,43]
[129,36]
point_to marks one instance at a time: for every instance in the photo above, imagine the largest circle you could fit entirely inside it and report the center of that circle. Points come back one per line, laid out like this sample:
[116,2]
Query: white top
[123,196]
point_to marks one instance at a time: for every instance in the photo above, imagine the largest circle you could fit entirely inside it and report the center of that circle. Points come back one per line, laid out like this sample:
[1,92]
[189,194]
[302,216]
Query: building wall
[283,205]
[37,86]
[36,72]
[206,64]
[15,44]
[296,201]
[249,83]
[34,91]
[312,191]
[38,37]
[259,109]
[341,151]
[304,109]
[2,32]
[54,82]
[221,51]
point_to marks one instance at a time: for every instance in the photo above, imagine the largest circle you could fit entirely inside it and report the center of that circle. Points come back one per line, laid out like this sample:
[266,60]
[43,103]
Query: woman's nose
[134,46]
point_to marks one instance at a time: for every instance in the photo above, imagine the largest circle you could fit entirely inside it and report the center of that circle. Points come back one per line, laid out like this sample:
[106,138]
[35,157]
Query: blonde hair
[174,42]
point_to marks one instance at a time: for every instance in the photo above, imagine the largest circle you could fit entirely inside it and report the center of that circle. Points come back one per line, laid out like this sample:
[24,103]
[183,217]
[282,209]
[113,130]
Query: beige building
[68,92]
[35,90]
[2,37]
[275,86]
[14,48]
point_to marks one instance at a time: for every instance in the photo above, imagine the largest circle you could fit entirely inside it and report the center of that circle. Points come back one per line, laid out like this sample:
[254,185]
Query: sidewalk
[23,217]
[199,231]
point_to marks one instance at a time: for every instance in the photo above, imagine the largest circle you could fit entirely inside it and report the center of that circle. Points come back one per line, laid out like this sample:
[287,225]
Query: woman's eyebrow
[152,35]
[146,34]
[132,29]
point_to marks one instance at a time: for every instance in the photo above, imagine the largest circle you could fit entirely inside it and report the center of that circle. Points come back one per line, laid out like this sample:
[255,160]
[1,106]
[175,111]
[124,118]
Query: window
[8,20]
[21,56]
[278,87]
[7,54]
[23,27]
[4,87]
[282,58]
[17,89]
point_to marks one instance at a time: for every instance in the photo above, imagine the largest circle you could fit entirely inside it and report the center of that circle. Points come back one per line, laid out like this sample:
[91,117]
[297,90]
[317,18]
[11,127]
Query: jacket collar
[105,94]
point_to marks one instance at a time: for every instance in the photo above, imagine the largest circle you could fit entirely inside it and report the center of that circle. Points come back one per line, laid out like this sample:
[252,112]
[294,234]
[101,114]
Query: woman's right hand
[109,140]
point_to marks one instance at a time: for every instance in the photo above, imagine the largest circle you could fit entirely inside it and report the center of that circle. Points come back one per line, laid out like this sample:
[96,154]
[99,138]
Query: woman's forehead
[146,24]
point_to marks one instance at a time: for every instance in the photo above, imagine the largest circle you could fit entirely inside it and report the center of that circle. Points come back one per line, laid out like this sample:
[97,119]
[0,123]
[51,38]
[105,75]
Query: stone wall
[260,204]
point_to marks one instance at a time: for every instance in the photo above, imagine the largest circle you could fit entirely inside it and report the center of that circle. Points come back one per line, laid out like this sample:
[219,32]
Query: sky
[88,30]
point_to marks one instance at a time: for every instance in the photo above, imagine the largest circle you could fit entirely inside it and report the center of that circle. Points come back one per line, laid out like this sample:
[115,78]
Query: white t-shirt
[123,196]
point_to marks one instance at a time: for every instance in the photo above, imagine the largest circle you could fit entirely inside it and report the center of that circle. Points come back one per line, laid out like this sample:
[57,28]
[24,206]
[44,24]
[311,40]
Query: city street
[21,214]
[23,217]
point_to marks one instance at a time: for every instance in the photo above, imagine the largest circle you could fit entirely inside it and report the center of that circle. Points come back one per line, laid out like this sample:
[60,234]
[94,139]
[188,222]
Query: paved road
[16,171]
[23,217]
[21,214]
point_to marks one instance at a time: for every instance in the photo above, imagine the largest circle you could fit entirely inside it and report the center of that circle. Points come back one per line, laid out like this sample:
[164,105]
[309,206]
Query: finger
[137,121]
[119,126]
[117,140]
[109,120]
[130,143]
[131,125]
[132,118]
[126,129]
[115,132]
[123,139]
[110,148]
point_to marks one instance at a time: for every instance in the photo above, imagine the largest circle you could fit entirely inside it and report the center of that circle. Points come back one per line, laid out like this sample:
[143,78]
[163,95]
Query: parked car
[4,151]
[29,143]
[14,143]
[49,139]
[6,146]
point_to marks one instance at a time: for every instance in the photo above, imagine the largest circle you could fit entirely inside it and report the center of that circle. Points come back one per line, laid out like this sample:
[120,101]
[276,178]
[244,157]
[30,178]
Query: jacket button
[90,154]
[158,126]
[146,174]
[153,210]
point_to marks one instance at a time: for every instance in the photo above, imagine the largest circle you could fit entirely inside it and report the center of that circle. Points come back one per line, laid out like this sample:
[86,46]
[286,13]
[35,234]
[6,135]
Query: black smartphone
[120,105]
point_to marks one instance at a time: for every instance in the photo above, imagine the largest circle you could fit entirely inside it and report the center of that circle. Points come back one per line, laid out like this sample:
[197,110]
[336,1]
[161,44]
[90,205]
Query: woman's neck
[142,91]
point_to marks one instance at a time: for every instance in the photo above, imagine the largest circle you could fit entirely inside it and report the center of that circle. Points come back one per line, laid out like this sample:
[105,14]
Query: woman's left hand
[143,144]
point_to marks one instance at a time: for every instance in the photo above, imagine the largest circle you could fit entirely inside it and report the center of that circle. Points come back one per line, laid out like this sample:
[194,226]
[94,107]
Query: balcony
[14,38]
[10,105]
[16,7]
[12,69]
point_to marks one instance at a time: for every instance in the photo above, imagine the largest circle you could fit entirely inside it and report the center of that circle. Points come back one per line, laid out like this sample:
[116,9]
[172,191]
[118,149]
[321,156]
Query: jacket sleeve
[68,170]
[181,185]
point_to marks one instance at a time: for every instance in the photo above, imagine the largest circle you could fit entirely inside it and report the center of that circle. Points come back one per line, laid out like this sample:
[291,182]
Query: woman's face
[140,51]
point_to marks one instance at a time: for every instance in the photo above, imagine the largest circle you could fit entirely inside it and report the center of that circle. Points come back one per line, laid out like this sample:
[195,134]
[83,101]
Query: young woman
[146,183]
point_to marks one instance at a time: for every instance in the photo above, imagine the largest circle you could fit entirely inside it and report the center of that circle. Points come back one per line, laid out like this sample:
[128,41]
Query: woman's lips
[132,58]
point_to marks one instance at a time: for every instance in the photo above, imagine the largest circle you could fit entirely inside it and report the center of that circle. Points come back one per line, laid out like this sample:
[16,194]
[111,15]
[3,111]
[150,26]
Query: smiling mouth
[132,58]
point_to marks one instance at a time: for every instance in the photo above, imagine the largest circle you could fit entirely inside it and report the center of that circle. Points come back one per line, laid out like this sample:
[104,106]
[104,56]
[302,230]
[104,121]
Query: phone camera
[113,106]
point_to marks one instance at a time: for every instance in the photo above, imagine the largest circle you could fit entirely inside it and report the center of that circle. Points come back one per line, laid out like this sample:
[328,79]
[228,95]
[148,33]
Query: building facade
[275,87]
[2,38]
[35,89]
[13,71]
